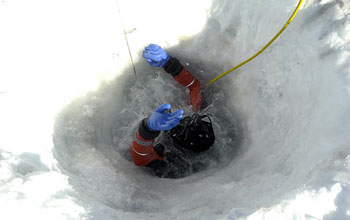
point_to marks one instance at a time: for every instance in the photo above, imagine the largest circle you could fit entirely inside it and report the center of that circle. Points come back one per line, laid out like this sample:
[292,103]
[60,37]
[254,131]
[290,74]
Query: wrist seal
[173,66]
[145,132]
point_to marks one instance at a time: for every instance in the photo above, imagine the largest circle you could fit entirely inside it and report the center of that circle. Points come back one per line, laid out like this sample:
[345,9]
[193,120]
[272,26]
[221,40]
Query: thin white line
[126,38]
[194,79]
[139,152]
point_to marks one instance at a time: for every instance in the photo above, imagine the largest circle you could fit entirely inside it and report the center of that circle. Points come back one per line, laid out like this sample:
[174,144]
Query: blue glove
[155,55]
[162,121]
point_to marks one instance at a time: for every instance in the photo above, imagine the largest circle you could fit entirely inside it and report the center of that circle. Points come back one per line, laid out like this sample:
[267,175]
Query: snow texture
[73,88]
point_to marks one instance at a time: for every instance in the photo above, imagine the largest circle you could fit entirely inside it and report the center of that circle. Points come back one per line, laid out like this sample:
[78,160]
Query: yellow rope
[266,46]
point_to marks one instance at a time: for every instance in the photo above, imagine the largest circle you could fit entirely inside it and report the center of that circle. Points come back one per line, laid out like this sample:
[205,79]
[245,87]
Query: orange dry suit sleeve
[141,149]
[185,78]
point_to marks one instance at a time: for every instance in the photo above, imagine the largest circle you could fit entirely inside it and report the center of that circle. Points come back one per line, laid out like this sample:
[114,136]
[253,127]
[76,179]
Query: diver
[182,138]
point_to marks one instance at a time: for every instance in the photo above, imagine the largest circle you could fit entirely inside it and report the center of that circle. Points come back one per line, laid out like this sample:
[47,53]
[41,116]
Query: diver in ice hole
[183,138]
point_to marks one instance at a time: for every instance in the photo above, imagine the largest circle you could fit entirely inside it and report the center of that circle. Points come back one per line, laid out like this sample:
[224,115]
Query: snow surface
[73,87]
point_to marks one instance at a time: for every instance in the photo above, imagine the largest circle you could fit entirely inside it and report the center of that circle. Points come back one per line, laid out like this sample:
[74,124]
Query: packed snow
[74,86]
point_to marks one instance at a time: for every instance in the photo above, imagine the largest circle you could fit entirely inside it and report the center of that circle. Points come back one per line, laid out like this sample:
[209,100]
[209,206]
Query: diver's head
[194,133]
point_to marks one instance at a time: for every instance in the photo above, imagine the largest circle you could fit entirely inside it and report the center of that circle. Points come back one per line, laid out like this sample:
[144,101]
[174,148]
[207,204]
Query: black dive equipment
[194,133]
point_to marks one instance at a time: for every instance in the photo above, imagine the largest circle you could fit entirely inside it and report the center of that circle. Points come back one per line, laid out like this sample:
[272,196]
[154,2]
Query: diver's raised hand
[155,55]
[160,120]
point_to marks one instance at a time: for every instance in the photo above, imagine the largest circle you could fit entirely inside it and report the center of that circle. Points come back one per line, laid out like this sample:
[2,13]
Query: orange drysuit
[141,149]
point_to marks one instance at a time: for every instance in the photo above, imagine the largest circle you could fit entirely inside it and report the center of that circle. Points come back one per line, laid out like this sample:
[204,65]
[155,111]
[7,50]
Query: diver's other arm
[141,149]
[157,57]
